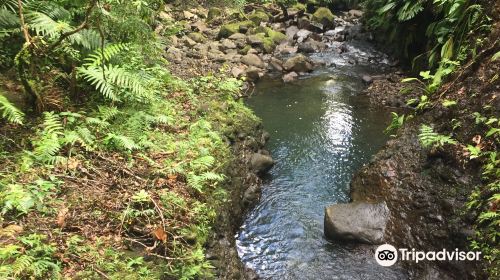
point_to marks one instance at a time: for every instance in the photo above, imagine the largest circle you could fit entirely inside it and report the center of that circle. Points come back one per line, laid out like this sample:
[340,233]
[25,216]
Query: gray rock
[315,27]
[291,31]
[253,73]
[189,42]
[303,22]
[367,79]
[302,35]
[174,54]
[216,55]
[228,44]
[199,26]
[298,63]
[251,195]
[253,60]
[286,49]
[355,13]
[292,76]
[238,36]
[357,221]
[276,64]
[237,71]
[261,163]
[255,41]
[311,46]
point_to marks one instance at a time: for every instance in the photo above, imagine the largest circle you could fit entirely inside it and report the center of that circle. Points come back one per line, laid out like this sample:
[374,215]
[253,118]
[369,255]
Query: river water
[322,130]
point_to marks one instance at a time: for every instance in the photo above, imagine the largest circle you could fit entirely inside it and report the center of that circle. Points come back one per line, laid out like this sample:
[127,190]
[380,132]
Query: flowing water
[322,131]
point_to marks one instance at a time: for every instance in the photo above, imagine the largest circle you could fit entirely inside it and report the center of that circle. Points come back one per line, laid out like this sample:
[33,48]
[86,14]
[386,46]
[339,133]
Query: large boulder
[311,46]
[324,16]
[253,60]
[261,41]
[258,16]
[298,63]
[357,221]
[261,163]
[213,13]
[197,37]
[229,29]
[291,31]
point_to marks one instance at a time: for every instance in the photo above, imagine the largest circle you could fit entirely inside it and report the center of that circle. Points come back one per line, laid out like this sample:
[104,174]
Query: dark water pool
[322,131]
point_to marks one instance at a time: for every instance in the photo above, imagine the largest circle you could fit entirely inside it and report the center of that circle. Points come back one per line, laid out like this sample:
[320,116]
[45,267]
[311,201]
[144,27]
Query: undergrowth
[117,169]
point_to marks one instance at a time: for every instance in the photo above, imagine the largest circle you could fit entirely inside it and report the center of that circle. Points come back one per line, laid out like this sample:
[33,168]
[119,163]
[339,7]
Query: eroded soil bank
[427,190]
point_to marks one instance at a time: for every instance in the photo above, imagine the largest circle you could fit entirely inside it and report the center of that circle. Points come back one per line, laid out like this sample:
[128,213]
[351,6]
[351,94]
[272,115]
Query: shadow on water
[322,131]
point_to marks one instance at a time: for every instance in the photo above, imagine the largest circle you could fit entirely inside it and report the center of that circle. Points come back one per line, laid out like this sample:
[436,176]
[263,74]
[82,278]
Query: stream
[322,131]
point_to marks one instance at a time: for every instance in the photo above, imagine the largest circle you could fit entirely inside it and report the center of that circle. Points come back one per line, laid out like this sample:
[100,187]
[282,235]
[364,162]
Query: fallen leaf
[476,139]
[61,216]
[160,234]
[73,163]
[10,231]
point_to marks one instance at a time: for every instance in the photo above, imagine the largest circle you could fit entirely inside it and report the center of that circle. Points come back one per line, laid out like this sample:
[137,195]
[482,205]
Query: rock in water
[357,221]
[324,16]
[261,163]
[292,76]
[298,63]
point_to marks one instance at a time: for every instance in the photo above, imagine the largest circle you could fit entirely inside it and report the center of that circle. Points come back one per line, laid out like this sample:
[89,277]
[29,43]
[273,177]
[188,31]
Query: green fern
[10,112]
[121,142]
[103,55]
[430,138]
[115,82]
[47,145]
[409,10]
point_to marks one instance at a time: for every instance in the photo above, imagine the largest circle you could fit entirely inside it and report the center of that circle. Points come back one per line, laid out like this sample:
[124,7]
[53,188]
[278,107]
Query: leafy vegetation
[109,131]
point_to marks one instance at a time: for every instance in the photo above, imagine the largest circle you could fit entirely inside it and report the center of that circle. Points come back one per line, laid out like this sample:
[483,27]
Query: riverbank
[433,193]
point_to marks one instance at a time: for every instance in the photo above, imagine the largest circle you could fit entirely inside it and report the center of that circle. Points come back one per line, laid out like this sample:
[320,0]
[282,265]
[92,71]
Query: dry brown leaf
[73,163]
[160,234]
[476,139]
[61,216]
[10,231]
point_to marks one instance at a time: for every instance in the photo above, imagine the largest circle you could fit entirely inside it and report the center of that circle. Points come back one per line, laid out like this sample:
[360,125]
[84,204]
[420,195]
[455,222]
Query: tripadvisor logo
[387,255]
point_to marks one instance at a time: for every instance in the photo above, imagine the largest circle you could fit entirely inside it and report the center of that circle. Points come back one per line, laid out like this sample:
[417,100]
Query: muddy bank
[426,190]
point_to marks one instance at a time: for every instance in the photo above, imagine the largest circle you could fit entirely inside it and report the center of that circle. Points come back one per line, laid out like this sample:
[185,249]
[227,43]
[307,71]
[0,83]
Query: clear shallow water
[322,131]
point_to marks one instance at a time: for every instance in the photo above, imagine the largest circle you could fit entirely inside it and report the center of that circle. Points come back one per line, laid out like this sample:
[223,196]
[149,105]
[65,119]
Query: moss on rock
[258,16]
[197,37]
[214,13]
[324,16]
[276,36]
[268,44]
[229,29]
[245,49]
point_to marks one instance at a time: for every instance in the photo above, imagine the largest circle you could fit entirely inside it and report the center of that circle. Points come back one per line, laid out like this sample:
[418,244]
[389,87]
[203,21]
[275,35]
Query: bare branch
[23,23]
[76,30]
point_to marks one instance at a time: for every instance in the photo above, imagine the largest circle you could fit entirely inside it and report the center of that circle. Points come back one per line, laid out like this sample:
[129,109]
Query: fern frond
[8,19]
[102,55]
[111,79]
[10,112]
[22,264]
[47,146]
[9,5]
[49,8]
[430,138]
[43,25]
[121,142]
[108,112]
[87,38]
[409,10]
[96,77]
